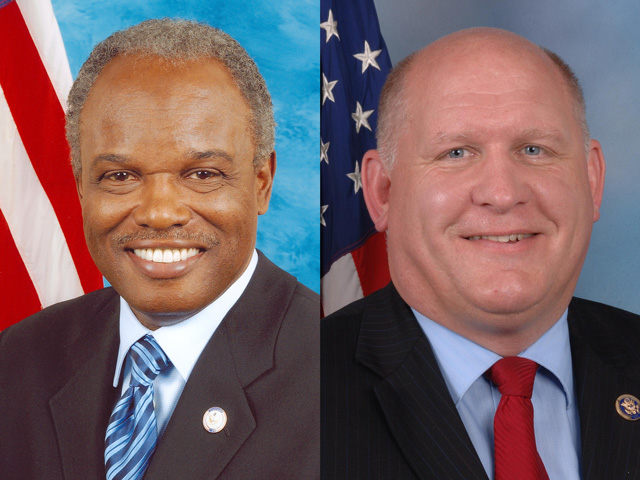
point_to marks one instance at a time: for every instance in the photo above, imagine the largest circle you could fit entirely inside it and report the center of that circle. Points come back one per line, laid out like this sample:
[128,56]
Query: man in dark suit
[171,130]
[487,185]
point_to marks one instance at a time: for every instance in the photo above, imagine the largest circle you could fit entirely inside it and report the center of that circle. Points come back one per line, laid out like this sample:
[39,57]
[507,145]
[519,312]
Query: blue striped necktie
[132,433]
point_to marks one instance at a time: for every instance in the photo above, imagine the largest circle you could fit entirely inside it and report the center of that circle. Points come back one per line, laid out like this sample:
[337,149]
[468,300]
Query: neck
[154,321]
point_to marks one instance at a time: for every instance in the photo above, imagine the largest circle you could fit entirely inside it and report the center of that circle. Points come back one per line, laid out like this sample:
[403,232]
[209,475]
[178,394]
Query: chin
[168,300]
[164,306]
[157,314]
[505,302]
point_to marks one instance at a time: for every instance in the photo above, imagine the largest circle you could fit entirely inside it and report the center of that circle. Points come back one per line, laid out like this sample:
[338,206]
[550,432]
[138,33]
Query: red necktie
[515,443]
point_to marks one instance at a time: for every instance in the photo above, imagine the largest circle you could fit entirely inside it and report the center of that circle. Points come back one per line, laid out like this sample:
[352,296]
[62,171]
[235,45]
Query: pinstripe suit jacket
[387,413]
[261,365]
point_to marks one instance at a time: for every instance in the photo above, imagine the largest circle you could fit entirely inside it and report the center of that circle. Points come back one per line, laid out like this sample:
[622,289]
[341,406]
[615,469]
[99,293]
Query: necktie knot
[514,376]
[148,360]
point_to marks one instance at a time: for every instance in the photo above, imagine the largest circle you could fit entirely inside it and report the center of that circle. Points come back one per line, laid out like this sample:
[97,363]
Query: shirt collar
[183,342]
[462,361]
[553,352]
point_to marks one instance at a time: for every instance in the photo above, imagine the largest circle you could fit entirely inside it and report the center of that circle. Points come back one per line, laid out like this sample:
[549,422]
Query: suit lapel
[81,409]
[603,369]
[239,352]
[412,394]
[213,383]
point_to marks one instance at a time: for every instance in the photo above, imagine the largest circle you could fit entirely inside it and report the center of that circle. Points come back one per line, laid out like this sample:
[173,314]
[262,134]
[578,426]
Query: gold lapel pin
[628,407]
[214,420]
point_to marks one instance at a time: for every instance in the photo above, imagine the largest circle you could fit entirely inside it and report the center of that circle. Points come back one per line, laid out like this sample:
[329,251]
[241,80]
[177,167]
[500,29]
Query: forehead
[149,100]
[149,77]
[486,81]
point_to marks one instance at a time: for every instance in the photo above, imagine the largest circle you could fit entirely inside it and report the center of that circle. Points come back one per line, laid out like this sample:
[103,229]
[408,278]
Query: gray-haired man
[202,360]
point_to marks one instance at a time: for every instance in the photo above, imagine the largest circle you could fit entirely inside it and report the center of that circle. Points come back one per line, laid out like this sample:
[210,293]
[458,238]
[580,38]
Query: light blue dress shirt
[182,343]
[556,421]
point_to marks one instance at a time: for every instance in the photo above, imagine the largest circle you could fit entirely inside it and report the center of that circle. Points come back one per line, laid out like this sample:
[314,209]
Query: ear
[596,170]
[376,184]
[264,182]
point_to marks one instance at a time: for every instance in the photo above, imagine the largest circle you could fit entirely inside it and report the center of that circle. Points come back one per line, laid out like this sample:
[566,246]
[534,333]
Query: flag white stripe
[340,285]
[25,205]
[42,24]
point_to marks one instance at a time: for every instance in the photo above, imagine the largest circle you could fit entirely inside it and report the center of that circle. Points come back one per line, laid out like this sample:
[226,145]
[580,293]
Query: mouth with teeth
[513,238]
[165,255]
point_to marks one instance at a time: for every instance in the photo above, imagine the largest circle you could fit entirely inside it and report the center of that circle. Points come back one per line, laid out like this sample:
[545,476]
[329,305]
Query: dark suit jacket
[387,413]
[261,366]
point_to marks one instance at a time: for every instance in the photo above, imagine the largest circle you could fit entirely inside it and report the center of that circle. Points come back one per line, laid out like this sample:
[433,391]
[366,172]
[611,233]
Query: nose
[162,205]
[501,182]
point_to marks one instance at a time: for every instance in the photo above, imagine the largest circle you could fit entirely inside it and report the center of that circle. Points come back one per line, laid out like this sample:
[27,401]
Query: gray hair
[393,110]
[394,106]
[177,41]
[579,105]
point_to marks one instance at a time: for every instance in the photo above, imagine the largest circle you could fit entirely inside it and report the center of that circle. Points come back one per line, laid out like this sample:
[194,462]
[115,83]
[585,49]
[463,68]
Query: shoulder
[305,301]
[58,326]
[377,333]
[64,315]
[300,325]
[611,332]
[281,291]
[341,332]
[287,315]
[347,321]
[593,315]
[298,332]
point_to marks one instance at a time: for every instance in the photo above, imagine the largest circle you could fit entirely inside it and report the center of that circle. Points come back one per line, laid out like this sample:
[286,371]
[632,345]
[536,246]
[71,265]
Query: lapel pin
[628,407]
[214,420]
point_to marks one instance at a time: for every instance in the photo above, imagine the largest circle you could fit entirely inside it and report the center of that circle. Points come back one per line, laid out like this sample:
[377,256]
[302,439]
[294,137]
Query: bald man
[487,184]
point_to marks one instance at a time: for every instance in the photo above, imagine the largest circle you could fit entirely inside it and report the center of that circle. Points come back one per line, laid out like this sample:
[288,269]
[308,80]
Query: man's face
[169,193]
[491,200]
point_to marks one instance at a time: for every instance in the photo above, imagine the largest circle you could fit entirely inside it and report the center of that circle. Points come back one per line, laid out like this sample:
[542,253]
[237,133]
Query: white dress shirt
[182,343]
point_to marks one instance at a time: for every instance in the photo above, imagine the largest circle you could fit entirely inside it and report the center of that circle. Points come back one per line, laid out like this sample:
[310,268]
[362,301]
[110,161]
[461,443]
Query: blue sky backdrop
[601,42]
[282,37]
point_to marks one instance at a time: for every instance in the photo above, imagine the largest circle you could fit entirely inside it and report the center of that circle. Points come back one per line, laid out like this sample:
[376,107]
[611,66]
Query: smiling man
[475,362]
[201,361]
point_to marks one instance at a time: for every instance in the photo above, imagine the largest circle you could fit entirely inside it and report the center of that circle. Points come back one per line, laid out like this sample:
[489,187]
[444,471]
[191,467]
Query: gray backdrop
[601,42]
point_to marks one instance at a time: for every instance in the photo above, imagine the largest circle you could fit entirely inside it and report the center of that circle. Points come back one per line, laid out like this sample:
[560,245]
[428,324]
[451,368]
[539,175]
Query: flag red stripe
[371,264]
[39,117]
[18,298]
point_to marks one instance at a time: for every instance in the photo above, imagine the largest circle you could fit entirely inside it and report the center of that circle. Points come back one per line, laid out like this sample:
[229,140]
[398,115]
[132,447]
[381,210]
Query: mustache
[208,240]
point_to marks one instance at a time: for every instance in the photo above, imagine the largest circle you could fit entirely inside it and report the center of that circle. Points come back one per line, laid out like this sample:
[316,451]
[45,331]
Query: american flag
[354,64]
[44,257]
